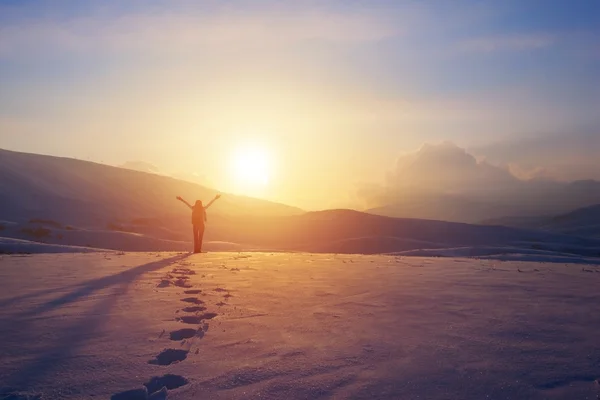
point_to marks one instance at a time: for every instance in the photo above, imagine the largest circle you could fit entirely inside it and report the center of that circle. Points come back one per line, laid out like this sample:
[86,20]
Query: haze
[334,92]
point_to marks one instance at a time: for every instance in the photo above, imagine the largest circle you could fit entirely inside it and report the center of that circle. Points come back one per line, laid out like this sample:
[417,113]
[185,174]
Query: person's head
[198,203]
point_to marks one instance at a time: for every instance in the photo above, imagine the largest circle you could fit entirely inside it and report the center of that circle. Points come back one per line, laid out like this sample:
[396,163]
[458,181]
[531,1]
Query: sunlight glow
[251,168]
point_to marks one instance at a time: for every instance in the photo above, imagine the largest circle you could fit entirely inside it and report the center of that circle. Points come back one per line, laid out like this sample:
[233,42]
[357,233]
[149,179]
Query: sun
[251,168]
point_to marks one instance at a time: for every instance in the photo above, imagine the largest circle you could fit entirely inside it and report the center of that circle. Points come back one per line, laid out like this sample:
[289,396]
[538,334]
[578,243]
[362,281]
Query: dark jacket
[198,215]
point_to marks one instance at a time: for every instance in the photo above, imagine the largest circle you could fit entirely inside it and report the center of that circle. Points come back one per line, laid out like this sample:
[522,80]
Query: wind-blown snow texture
[297,326]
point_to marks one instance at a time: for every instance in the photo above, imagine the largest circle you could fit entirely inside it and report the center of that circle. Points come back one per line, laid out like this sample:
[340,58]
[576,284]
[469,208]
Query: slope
[86,194]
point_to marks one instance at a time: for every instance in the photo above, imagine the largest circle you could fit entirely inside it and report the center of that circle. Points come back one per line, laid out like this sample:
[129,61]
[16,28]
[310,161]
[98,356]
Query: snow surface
[9,246]
[18,246]
[297,326]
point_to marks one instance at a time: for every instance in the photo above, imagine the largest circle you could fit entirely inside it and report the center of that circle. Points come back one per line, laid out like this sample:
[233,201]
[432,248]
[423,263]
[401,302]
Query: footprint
[220,290]
[183,271]
[196,319]
[209,315]
[190,319]
[164,283]
[183,334]
[194,309]
[182,283]
[195,291]
[168,381]
[193,300]
[169,356]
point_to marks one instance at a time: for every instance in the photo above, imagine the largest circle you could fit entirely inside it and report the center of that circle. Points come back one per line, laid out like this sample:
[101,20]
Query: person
[198,220]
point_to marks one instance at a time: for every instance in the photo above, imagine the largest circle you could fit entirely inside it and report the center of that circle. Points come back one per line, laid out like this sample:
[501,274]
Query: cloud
[446,167]
[565,157]
[445,182]
[506,43]
[441,169]
[526,172]
[192,32]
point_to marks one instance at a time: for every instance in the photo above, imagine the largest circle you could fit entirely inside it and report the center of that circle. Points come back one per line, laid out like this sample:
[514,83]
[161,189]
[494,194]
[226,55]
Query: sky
[329,93]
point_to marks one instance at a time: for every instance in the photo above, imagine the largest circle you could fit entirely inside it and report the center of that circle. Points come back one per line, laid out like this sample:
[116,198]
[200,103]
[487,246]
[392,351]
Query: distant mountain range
[444,182]
[349,231]
[68,202]
[581,222]
[331,231]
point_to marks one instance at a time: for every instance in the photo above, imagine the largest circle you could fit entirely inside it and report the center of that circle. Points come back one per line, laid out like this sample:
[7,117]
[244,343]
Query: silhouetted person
[198,220]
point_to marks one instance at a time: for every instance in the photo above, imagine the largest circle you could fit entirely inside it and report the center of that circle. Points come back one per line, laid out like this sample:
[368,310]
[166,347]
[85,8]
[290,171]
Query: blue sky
[328,86]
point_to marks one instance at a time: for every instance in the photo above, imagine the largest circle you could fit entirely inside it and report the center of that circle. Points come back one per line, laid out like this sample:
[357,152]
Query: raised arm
[212,201]
[184,202]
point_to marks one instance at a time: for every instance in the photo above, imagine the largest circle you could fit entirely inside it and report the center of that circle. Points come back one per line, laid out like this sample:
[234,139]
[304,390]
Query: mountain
[582,222]
[443,207]
[349,231]
[336,231]
[89,195]
[445,182]
[66,202]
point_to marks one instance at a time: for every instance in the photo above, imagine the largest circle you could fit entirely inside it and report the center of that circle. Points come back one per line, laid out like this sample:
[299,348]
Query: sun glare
[251,168]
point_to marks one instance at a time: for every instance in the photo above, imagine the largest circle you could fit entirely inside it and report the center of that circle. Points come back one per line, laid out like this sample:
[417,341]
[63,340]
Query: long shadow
[94,285]
[39,293]
[75,335]
[10,301]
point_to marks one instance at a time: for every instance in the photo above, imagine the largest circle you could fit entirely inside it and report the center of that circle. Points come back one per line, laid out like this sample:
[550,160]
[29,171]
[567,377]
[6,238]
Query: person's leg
[196,239]
[200,237]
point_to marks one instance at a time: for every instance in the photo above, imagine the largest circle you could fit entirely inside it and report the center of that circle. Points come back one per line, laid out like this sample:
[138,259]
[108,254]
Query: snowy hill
[348,231]
[584,221]
[332,231]
[72,193]
[581,222]
[67,202]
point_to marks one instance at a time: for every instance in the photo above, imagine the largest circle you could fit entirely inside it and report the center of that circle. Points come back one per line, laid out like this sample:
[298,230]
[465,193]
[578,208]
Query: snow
[19,246]
[9,246]
[297,326]
[501,253]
